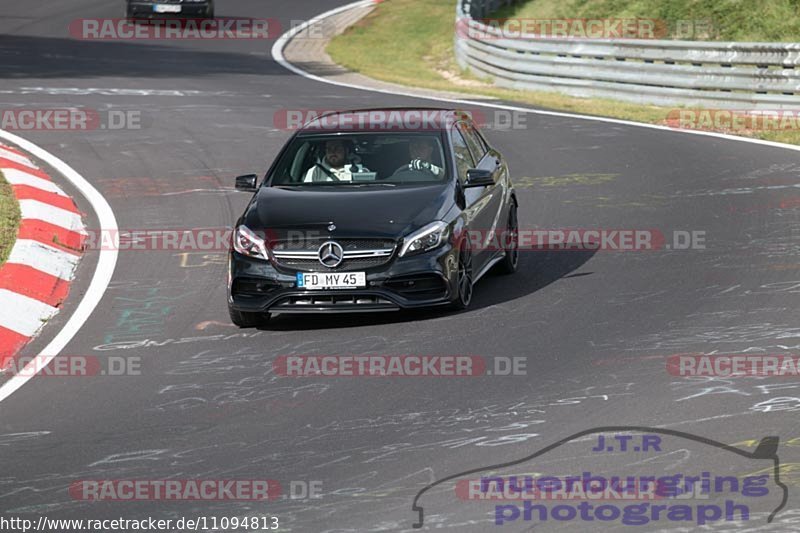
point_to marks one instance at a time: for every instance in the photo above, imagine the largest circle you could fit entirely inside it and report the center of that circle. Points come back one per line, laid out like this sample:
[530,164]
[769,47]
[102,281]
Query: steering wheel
[411,168]
[327,172]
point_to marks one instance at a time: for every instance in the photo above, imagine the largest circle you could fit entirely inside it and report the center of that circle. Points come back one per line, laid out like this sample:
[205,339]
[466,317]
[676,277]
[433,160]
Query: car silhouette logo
[766,450]
[331,254]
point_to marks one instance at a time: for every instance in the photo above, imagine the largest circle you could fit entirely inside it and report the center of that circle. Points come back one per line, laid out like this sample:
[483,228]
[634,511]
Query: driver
[421,153]
[334,166]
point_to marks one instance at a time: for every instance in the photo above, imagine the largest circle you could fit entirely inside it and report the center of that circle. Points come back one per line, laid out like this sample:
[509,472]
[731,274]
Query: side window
[473,141]
[464,159]
[482,139]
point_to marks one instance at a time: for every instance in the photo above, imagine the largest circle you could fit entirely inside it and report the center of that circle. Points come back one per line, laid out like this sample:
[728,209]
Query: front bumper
[188,9]
[420,281]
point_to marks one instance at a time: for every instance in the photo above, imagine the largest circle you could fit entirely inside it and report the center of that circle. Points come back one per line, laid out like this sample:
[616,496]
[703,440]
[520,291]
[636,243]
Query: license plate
[331,280]
[164,8]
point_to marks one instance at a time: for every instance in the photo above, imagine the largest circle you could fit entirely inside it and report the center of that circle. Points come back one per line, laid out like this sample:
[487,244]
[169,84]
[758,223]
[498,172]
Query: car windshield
[363,159]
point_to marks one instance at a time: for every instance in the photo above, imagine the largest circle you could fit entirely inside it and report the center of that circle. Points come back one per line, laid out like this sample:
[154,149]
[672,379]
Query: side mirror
[246,183]
[477,177]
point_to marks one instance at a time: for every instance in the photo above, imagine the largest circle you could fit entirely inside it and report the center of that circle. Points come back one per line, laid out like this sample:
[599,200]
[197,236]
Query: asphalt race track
[594,328]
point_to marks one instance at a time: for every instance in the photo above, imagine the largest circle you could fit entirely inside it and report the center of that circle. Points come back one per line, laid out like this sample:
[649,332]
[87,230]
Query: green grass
[406,40]
[9,219]
[732,20]
[410,42]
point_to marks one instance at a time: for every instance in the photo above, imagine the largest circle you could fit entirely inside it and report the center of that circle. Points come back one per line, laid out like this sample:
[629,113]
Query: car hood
[367,212]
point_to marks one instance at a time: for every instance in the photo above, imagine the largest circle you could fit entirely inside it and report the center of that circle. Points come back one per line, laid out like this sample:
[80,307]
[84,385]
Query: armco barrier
[727,75]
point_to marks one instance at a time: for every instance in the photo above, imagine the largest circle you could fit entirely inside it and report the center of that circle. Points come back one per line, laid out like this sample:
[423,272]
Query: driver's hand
[419,164]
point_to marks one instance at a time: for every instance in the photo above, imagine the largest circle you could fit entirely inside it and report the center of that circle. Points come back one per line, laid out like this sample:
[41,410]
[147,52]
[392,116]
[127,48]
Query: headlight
[248,243]
[426,238]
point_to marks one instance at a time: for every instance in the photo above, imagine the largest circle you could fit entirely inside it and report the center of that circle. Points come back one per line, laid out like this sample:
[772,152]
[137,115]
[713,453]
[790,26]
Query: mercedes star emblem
[331,254]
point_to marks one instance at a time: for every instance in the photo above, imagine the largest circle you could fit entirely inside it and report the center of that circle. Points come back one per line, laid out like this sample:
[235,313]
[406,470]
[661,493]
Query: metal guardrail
[724,75]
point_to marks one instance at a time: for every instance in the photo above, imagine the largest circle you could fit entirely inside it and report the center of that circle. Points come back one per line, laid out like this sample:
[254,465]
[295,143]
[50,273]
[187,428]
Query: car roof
[383,119]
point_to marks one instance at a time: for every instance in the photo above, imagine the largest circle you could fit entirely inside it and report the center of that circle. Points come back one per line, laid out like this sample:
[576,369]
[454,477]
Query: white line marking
[80,91]
[19,177]
[280,44]
[51,214]
[11,156]
[23,314]
[106,263]
[48,259]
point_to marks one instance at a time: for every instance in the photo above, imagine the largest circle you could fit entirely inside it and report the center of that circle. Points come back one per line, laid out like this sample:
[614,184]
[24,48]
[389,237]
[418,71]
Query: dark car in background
[141,9]
[388,230]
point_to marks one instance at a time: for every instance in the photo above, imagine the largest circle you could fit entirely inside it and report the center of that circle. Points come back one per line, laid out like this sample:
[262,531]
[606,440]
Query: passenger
[336,165]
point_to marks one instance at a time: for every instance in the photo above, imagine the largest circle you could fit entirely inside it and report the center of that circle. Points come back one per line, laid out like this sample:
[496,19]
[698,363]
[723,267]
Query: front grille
[333,302]
[313,265]
[363,254]
[418,287]
[348,245]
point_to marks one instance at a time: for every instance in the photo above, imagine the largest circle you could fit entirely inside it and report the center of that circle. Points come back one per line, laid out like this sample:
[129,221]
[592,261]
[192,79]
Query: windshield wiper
[343,183]
[335,184]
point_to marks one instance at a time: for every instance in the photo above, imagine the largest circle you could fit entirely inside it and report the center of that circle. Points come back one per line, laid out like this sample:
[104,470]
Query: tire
[244,319]
[464,283]
[510,262]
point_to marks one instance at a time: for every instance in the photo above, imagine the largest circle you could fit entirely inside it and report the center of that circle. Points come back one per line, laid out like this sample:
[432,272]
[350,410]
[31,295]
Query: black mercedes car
[140,9]
[373,210]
